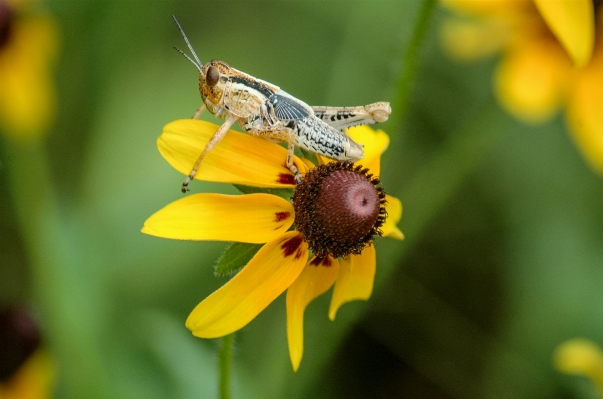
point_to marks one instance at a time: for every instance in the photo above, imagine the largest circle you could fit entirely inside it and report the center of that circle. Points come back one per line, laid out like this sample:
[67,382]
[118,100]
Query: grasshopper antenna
[198,62]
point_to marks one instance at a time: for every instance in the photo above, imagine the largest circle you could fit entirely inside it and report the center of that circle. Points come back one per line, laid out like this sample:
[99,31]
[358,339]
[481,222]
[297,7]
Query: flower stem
[226,345]
[410,60]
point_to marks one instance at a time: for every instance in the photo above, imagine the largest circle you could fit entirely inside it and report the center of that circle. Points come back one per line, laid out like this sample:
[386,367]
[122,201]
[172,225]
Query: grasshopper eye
[212,76]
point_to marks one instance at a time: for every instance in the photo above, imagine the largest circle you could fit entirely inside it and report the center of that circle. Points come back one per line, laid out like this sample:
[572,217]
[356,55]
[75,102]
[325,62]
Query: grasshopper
[265,110]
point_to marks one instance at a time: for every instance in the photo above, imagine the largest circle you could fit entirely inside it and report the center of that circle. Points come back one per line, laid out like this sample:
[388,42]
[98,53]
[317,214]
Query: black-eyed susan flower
[337,210]
[26,370]
[552,58]
[28,47]
[582,357]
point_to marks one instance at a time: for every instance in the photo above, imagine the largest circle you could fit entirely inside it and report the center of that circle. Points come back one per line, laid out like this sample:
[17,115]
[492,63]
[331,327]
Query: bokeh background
[503,257]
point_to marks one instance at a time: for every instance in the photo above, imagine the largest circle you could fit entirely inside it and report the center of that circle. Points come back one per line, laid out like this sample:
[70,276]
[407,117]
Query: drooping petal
[531,80]
[584,110]
[271,271]
[251,218]
[239,158]
[394,214]
[573,23]
[314,281]
[355,280]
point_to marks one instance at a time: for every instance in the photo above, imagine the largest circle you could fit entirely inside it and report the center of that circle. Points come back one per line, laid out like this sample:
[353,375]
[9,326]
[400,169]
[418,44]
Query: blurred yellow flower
[580,356]
[552,58]
[28,47]
[34,379]
[284,261]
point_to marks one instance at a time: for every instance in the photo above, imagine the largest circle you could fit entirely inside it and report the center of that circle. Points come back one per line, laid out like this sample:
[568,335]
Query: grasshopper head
[213,76]
[212,80]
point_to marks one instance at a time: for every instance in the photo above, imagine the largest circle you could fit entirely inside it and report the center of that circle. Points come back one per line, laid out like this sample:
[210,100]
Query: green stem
[226,346]
[410,61]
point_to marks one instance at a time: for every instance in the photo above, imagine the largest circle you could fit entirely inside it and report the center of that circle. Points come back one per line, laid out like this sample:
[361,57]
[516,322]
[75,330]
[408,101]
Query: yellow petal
[485,7]
[573,23]
[27,94]
[35,379]
[239,158]
[271,271]
[531,80]
[584,111]
[355,280]
[582,357]
[252,218]
[314,281]
[375,142]
[468,40]
[394,214]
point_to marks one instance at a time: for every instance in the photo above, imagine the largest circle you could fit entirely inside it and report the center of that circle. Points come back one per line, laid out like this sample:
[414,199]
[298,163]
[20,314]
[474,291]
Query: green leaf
[237,255]
[310,156]
[285,193]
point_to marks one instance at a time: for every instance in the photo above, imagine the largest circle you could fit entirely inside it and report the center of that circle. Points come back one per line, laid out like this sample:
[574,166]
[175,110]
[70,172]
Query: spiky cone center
[339,208]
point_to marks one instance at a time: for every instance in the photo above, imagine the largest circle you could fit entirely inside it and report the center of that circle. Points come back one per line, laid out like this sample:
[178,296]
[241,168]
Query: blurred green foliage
[502,259]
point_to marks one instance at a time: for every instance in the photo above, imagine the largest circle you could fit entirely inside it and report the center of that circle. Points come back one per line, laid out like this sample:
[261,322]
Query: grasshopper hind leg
[281,134]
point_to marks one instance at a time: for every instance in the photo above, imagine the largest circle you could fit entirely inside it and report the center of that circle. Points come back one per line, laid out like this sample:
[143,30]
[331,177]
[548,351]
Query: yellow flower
[28,47]
[580,357]
[552,58]
[283,262]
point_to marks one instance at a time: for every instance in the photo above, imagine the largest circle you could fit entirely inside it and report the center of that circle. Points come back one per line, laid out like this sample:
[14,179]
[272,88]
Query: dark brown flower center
[19,338]
[348,205]
[7,17]
[339,207]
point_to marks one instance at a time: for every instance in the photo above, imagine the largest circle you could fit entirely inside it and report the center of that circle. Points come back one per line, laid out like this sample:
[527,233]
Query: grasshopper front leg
[215,139]
[199,112]
[344,117]
[283,134]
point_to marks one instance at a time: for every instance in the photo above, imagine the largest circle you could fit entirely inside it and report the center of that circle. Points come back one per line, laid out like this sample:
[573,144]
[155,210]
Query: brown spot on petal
[292,245]
[280,216]
[285,178]
[318,261]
